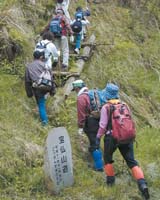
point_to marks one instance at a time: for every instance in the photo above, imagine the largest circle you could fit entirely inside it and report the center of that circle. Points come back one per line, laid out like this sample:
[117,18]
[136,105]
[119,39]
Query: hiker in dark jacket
[87,123]
[32,74]
[111,144]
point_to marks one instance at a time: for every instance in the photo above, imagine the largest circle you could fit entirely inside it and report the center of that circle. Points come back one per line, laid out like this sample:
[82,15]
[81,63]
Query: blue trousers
[41,102]
[78,40]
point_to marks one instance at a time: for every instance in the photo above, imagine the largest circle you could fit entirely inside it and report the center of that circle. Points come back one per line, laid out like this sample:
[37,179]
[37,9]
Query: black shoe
[144,190]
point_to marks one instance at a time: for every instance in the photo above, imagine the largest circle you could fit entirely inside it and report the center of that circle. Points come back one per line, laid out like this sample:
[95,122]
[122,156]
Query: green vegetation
[128,55]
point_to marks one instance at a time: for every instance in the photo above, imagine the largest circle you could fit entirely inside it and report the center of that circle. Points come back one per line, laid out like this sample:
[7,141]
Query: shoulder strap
[110,109]
[96,99]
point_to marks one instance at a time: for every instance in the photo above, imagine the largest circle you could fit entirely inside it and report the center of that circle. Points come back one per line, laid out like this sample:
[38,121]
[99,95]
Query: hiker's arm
[28,85]
[68,27]
[82,105]
[103,122]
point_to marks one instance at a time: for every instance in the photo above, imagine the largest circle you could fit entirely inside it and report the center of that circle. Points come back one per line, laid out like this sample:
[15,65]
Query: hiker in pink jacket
[111,144]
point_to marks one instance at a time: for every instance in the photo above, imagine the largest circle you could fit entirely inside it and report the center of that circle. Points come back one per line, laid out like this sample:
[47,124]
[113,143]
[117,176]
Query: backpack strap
[97,100]
[110,109]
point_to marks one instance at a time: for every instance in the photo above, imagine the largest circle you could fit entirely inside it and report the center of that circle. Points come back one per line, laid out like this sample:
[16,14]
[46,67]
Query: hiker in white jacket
[50,52]
[64,4]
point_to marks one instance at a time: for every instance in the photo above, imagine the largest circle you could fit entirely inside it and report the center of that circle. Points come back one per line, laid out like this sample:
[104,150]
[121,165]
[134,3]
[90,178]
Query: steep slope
[127,53]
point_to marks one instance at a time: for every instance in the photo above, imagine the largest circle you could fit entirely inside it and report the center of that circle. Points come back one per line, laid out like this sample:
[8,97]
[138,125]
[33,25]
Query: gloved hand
[59,53]
[71,38]
[80,131]
[98,140]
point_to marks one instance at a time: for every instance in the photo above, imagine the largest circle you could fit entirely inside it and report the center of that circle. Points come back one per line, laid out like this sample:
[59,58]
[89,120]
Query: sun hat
[111,91]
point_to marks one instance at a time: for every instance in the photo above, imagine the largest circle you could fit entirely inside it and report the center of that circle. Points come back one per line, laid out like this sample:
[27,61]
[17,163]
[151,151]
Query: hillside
[127,52]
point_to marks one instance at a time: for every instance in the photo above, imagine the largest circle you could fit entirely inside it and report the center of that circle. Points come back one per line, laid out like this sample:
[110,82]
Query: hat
[78,84]
[111,91]
[37,54]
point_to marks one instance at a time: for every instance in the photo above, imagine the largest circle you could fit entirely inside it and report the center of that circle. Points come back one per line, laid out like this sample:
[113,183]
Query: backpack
[44,82]
[41,47]
[97,100]
[77,26]
[120,123]
[55,26]
[59,1]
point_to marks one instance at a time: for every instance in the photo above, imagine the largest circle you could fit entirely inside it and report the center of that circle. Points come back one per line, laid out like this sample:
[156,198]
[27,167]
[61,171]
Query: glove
[98,140]
[71,38]
[59,53]
[80,131]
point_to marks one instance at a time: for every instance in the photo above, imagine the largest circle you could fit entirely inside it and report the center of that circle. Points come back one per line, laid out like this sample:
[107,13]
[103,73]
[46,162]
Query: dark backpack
[97,100]
[56,27]
[77,26]
[120,123]
[59,1]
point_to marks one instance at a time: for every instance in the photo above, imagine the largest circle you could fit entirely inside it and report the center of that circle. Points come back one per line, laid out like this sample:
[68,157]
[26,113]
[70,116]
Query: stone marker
[58,165]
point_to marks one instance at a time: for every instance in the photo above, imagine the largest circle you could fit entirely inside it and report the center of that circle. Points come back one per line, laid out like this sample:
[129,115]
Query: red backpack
[121,123]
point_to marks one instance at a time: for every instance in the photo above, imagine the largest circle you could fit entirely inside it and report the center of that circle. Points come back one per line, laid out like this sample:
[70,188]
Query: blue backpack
[55,26]
[97,100]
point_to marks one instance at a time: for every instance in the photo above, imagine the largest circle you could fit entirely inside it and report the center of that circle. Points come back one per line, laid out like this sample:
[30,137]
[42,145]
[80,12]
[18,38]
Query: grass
[132,61]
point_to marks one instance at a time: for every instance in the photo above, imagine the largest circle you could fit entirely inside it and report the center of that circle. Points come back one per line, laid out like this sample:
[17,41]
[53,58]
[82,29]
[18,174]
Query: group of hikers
[39,73]
[99,112]
[102,113]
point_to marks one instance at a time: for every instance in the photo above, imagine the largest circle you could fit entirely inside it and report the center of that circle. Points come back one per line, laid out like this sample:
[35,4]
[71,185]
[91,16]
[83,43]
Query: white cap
[78,83]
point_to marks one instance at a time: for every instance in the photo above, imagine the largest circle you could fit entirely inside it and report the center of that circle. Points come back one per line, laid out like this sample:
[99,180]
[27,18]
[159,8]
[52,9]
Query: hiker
[50,50]
[84,14]
[60,27]
[64,4]
[87,123]
[109,127]
[78,26]
[33,81]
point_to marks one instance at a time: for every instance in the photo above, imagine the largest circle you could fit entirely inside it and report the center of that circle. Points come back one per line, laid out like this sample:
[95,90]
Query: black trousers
[126,150]
[91,128]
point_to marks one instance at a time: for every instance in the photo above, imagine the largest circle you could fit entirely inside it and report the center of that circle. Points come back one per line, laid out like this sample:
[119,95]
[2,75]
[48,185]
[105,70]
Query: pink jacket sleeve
[103,122]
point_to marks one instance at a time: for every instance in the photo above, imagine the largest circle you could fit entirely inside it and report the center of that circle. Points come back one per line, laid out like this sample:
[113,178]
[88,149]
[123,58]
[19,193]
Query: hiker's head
[78,9]
[59,11]
[111,91]
[77,85]
[48,35]
[78,16]
[38,55]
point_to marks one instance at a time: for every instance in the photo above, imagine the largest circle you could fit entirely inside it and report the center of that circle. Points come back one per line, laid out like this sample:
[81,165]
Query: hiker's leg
[109,148]
[91,129]
[65,6]
[128,154]
[78,40]
[65,50]
[57,43]
[42,110]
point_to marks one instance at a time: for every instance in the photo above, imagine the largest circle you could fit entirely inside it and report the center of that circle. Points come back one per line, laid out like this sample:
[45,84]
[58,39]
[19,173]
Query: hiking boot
[76,51]
[144,189]
[110,180]
[64,68]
